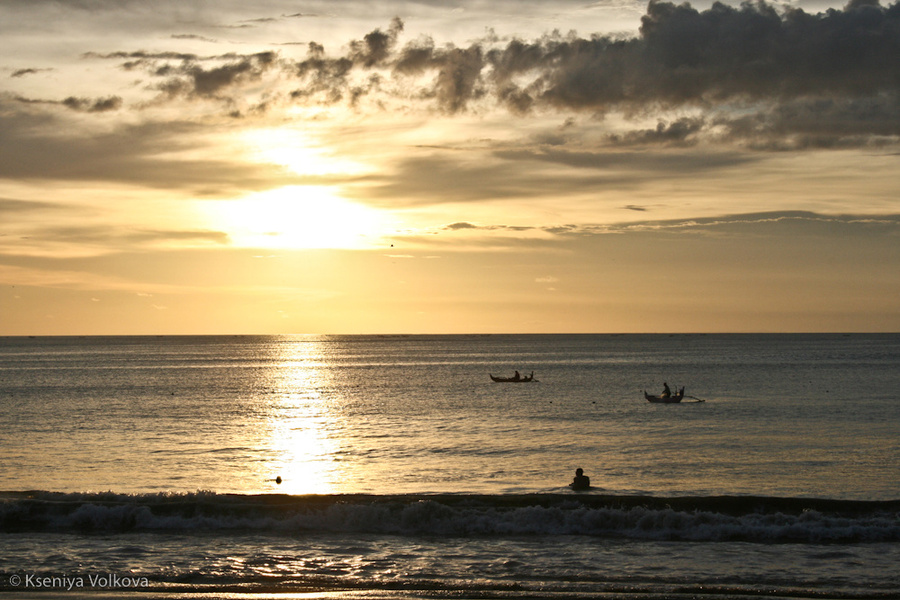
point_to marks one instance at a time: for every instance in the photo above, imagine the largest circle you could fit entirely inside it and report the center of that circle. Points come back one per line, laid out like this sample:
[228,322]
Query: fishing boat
[514,379]
[662,399]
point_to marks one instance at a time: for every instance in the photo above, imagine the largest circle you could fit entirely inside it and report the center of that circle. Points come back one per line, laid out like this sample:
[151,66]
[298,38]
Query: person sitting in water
[581,481]
[666,393]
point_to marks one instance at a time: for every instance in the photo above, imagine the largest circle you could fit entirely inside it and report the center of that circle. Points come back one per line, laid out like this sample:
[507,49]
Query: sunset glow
[669,167]
[296,151]
[298,217]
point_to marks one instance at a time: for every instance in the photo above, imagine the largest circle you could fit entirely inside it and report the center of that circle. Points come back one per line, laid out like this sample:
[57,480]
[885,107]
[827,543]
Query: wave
[719,518]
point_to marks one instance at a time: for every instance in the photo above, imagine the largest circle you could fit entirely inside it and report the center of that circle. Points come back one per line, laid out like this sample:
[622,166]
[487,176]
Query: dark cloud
[819,123]
[415,57]
[459,76]
[767,61]
[461,225]
[330,80]
[800,80]
[670,164]
[686,56]
[193,79]
[141,56]
[28,71]
[757,75]
[260,20]
[192,36]
[458,72]
[192,75]
[683,132]
[96,105]
[375,48]
[322,76]
[207,82]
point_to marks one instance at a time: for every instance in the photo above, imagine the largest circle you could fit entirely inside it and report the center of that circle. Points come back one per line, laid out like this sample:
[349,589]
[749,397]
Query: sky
[512,166]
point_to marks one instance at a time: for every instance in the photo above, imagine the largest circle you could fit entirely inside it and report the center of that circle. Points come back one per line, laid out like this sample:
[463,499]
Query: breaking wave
[724,518]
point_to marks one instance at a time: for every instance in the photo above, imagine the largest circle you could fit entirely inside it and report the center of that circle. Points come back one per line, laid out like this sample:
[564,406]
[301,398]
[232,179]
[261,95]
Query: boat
[673,399]
[514,379]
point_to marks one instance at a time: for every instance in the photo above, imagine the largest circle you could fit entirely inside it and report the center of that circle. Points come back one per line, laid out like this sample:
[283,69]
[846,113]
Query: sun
[300,216]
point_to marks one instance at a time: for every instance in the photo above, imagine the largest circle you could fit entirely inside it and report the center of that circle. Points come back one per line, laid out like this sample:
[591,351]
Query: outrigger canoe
[673,399]
[514,379]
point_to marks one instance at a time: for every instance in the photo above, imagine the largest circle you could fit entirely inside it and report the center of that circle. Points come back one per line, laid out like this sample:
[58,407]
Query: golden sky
[515,166]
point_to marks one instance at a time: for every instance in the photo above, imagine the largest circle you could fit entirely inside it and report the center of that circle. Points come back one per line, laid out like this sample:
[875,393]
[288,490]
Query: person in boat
[666,393]
[517,377]
[581,481]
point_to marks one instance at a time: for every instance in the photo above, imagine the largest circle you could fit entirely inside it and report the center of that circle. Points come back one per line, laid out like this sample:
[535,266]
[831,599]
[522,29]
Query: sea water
[393,466]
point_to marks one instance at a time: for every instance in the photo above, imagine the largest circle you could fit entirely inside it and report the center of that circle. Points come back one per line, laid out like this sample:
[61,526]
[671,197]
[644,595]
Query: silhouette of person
[667,393]
[517,377]
[581,481]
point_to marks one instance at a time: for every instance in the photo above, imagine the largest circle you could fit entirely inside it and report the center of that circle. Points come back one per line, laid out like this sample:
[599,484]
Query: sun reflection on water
[301,421]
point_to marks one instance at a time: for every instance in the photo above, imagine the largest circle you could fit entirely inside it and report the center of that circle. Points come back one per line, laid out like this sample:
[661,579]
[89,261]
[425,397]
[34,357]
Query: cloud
[191,75]
[534,172]
[682,132]
[752,77]
[605,160]
[688,56]
[192,79]
[97,105]
[11,206]
[461,225]
[780,224]
[777,225]
[27,71]
[39,145]
[375,48]
[207,82]
[440,178]
[682,56]
[142,57]
[768,77]
[193,36]
[100,239]
[109,103]
[769,63]
[818,123]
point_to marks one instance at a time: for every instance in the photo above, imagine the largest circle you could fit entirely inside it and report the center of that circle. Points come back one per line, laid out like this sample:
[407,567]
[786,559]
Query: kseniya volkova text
[70,582]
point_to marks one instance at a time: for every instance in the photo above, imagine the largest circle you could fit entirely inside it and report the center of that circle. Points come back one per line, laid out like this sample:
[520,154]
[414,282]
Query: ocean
[394,467]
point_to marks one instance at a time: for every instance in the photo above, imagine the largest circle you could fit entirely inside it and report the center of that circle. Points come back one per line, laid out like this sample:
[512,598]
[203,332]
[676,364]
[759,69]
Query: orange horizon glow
[441,171]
